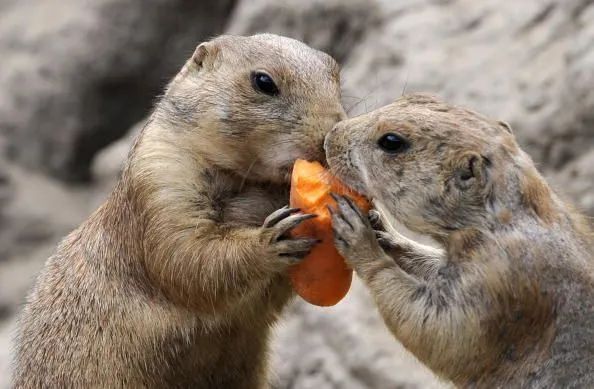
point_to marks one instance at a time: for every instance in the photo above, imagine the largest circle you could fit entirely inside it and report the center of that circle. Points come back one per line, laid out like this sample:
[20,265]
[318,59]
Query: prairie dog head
[252,105]
[435,167]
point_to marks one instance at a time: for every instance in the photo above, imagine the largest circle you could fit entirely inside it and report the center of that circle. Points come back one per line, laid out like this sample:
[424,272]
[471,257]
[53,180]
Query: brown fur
[175,281]
[536,195]
[509,300]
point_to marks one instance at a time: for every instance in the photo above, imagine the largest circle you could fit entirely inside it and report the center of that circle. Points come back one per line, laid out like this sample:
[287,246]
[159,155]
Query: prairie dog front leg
[422,314]
[413,257]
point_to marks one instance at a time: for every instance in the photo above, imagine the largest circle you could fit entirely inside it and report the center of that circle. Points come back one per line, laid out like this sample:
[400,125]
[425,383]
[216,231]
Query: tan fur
[536,195]
[509,301]
[174,281]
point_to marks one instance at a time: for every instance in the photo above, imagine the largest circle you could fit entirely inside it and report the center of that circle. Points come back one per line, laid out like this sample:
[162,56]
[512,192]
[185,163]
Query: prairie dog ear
[470,171]
[205,54]
[505,126]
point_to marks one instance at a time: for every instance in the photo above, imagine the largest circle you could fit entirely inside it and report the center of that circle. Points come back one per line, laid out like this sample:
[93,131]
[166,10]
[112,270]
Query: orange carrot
[322,278]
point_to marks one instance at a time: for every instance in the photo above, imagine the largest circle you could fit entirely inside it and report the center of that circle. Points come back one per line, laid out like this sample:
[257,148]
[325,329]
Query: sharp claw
[297,254]
[351,203]
[338,198]
[342,241]
[374,218]
[300,255]
[299,219]
[301,248]
[335,233]
[346,221]
[340,202]
[286,225]
[291,211]
[279,215]
[355,208]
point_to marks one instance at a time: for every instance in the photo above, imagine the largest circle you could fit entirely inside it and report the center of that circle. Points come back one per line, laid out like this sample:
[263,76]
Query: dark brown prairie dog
[176,279]
[509,300]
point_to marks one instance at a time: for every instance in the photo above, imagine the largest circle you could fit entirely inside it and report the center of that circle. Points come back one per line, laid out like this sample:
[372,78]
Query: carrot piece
[322,278]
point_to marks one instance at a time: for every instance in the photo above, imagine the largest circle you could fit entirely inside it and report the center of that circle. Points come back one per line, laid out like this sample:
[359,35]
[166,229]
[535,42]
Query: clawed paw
[354,237]
[276,230]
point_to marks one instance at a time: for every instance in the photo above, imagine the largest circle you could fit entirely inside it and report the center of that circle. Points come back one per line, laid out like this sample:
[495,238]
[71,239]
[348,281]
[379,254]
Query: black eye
[392,143]
[262,82]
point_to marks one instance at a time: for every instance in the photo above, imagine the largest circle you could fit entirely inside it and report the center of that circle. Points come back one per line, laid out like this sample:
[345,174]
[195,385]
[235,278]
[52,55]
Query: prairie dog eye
[392,143]
[263,83]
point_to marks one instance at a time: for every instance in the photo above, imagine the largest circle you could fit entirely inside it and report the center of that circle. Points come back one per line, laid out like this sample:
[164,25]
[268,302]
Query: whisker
[245,177]
[284,142]
[370,92]
[355,105]
[405,85]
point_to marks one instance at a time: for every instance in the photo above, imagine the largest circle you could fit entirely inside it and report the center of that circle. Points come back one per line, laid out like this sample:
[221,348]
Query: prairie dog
[508,301]
[177,278]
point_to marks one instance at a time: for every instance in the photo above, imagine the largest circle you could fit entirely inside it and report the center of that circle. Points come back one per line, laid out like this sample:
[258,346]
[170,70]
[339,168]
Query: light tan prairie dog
[509,300]
[177,278]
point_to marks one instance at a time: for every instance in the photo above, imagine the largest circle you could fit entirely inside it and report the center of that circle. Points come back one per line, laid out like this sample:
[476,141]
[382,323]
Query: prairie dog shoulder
[508,299]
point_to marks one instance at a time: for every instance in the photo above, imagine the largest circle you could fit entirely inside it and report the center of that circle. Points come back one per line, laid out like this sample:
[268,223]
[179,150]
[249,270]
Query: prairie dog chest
[235,201]
[252,205]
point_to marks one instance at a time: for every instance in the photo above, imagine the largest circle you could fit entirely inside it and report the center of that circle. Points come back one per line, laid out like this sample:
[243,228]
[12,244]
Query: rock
[80,74]
[345,346]
[531,65]
[577,182]
[38,215]
[6,194]
[5,188]
[7,330]
[333,26]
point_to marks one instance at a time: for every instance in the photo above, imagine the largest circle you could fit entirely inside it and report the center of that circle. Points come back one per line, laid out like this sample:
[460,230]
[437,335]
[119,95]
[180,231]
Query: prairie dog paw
[354,237]
[275,231]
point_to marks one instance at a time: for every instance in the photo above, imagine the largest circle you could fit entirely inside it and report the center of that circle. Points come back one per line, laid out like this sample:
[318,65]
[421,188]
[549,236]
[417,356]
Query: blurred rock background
[77,79]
